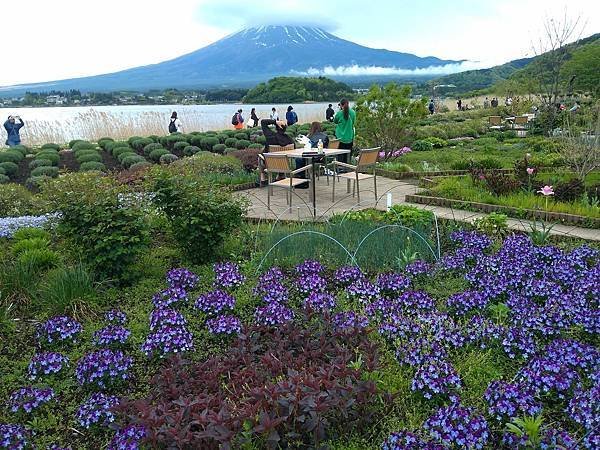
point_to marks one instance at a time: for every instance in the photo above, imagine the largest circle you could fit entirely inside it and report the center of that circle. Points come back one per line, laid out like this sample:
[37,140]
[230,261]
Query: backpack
[294,117]
[172,127]
[235,120]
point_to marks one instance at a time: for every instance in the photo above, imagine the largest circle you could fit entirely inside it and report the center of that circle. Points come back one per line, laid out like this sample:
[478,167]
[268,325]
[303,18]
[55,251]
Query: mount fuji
[254,55]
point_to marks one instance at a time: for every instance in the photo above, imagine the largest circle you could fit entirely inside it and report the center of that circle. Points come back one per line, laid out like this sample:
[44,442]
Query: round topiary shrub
[230,142]
[45,171]
[74,141]
[229,150]
[180,146]
[86,151]
[89,158]
[151,147]
[49,155]
[51,146]
[103,141]
[257,146]
[139,144]
[190,150]
[208,143]
[13,156]
[156,154]
[110,146]
[132,139]
[21,149]
[222,137]
[2,171]
[130,160]
[40,163]
[92,165]
[422,146]
[121,150]
[197,140]
[4,179]
[219,148]
[261,140]
[10,168]
[171,140]
[125,155]
[242,144]
[168,158]
[241,135]
[83,145]
[154,137]
[34,182]
[139,165]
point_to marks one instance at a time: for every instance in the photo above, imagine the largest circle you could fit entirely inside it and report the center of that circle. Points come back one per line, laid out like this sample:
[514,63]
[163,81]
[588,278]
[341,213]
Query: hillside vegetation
[298,89]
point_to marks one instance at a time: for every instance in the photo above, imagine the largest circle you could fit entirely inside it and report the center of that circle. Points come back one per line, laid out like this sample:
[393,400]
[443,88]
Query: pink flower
[546,191]
[530,171]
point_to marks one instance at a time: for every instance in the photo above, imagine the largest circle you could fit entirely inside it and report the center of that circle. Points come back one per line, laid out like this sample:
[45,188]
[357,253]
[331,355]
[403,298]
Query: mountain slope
[244,58]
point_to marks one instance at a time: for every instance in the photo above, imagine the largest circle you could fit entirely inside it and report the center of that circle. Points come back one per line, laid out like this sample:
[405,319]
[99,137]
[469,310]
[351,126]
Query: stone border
[572,219]
[401,175]
[243,187]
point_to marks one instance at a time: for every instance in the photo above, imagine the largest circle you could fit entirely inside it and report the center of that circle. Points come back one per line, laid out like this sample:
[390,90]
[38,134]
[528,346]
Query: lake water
[61,124]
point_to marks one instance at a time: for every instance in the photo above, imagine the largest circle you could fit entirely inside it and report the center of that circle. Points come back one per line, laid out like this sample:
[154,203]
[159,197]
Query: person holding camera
[12,130]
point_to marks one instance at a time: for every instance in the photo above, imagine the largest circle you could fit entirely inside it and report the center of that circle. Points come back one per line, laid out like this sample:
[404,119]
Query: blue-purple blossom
[320,302]
[169,297]
[168,339]
[96,410]
[363,291]
[228,275]
[347,275]
[128,438]
[518,343]
[311,283]
[467,301]
[392,283]
[271,292]
[182,278]
[349,319]
[584,408]
[416,300]
[166,316]
[405,440]
[418,267]
[309,267]
[417,351]
[103,367]
[46,363]
[29,398]
[58,329]
[508,400]
[224,325]
[435,378]
[458,427]
[549,376]
[215,302]
[274,274]
[115,316]
[111,335]
[273,314]
[13,437]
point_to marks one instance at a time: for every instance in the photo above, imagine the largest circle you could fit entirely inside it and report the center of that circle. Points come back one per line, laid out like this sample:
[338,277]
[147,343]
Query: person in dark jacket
[12,130]
[290,116]
[315,134]
[431,106]
[254,117]
[277,137]
[329,113]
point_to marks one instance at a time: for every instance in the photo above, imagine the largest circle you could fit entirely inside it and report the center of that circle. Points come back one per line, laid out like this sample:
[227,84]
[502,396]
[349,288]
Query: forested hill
[298,89]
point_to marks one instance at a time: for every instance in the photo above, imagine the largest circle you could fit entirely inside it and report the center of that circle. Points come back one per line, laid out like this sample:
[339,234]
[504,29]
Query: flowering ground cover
[493,346]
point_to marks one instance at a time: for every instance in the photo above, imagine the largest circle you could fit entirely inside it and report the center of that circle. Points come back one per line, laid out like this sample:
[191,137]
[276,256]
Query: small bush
[16,200]
[256,146]
[240,135]
[261,140]
[180,146]
[92,165]
[409,216]
[110,146]
[168,158]
[436,142]
[197,139]
[154,137]
[13,156]
[102,142]
[190,150]
[24,245]
[45,171]
[30,233]
[151,147]
[90,157]
[501,184]
[40,163]
[49,155]
[222,137]
[74,141]
[37,181]
[4,178]
[125,155]
[50,146]
[140,143]
[171,140]
[83,145]
[248,158]
[493,224]
[39,258]
[489,163]
[156,154]
[10,168]
[230,150]
[130,160]
[230,142]
[569,191]
[140,165]
[208,143]
[23,150]
[63,288]
[132,139]
[2,171]
[422,146]
[219,148]
[242,144]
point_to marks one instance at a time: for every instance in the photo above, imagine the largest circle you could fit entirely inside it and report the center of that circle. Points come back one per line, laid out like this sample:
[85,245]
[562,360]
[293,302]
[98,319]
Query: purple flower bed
[166,316]
[228,275]
[46,363]
[103,368]
[215,302]
[116,317]
[58,329]
[13,437]
[111,335]
[273,314]
[169,296]
[224,325]
[436,377]
[320,302]
[168,339]
[29,398]
[96,410]
[182,279]
[458,427]
[127,438]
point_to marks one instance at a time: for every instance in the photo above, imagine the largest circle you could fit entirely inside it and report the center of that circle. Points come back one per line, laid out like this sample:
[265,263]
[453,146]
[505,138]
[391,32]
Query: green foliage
[51,146]
[50,155]
[298,89]
[23,245]
[51,172]
[436,142]
[10,168]
[130,160]
[493,224]
[540,234]
[110,235]
[4,179]
[219,148]
[132,139]
[40,163]
[151,147]
[92,165]
[180,146]
[190,150]
[83,145]
[422,146]
[140,165]
[13,156]
[168,158]
[118,151]
[385,116]
[156,154]
[89,157]
[208,143]
[39,258]
[200,218]
[65,290]
[21,149]
[529,428]
[102,142]
[230,142]
[140,143]
[35,182]
[409,216]
[240,135]
[583,65]
[242,144]
[74,141]
[31,233]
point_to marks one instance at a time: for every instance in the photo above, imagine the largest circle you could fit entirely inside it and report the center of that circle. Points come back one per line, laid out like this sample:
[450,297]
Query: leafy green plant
[23,245]
[45,171]
[422,146]
[149,148]
[13,156]
[529,428]
[540,234]
[409,216]
[180,146]
[219,148]
[49,155]
[40,163]
[436,142]
[168,158]
[92,165]
[39,258]
[118,151]
[31,233]
[4,179]
[66,290]
[493,224]
[190,150]
[242,144]
[156,154]
[10,168]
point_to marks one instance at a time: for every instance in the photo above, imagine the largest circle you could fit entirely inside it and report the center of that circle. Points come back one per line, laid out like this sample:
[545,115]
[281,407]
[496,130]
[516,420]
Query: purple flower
[166,316]
[29,398]
[416,300]
[311,283]
[271,292]
[274,274]
[417,351]
[309,267]
[111,335]
[103,367]
[417,268]
[13,437]
[363,291]
[584,408]
[467,301]
[405,440]
[436,377]
[115,316]
[182,278]
[168,339]
[273,314]
[46,363]
[228,275]
[518,343]
[215,302]
[458,427]
[347,275]
[592,440]
[224,325]
[58,329]
[507,400]
[169,296]
[392,283]
[128,438]
[557,439]
[549,376]
[96,410]
[320,301]
[349,319]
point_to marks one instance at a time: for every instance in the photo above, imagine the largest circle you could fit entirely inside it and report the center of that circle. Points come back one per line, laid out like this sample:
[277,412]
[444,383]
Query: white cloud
[356,70]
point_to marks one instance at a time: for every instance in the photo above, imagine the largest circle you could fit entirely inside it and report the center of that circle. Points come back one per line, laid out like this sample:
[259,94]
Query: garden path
[302,207]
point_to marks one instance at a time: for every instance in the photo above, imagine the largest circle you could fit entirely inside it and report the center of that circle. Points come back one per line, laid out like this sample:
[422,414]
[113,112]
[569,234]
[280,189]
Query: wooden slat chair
[272,149]
[334,144]
[521,123]
[367,158]
[495,123]
[280,164]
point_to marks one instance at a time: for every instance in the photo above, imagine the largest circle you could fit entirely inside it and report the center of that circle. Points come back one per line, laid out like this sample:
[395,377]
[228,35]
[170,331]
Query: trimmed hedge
[13,156]
[132,139]
[125,155]
[83,145]
[242,144]
[139,165]
[130,160]
[229,150]
[23,150]
[156,154]
[4,179]
[222,137]
[45,171]
[230,142]
[208,143]
[34,182]
[103,141]
[10,168]
[2,171]
[241,135]
[51,146]
[50,155]
[74,141]
[40,163]
[219,148]
[191,150]
[151,147]
[120,150]
[92,165]
[168,158]
[256,146]
[179,146]
[89,158]
[139,144]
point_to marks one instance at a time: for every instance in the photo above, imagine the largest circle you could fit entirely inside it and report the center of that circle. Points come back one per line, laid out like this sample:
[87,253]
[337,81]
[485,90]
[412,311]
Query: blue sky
[63,39]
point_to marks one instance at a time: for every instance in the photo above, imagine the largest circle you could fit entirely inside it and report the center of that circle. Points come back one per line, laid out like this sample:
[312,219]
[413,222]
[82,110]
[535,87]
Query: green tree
[386,116]
[583,68]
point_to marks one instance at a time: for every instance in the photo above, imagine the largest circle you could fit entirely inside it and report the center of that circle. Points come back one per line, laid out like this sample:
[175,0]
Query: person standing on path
[238,120]
[175,125]
[329,113]
[274,115]
[254,117]
[12,130]
[290,116]
[431,106]
[345,121]
[459,104]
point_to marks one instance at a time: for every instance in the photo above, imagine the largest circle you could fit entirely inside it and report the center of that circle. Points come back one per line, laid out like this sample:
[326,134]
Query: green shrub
[23,150]
[83,145]
[130,160]
[207,162]
[261,140]
[49,155]
[547,160]
[229,150]
[102,142]
[409,216]
[489,163]
[231,142]
[16,200]
[30,233]
[208,143]
[140,143]
[4,179]
[14,156]
[436,142]
[422,146]
[200,220]
[171,140]
[89,158]
[50,146]
[117,152]
[242,144]
[35,182]
[256,146]
[91,213]
[140,165]
[87,151]
[501,184]
[125,155]
[569,191]
[180,146]
[92,165]
[222,137]
[493,224]
[10,168]
[2,171]
[197,140]
[40,163]
[168,158]
[156,154]
[23,245]
[39,258]
[132,139]
[110,146]
[190,150]
[154,137]
[74,141]
[151,147]
[64,289]
[241,136]
[219,148]
[45,171]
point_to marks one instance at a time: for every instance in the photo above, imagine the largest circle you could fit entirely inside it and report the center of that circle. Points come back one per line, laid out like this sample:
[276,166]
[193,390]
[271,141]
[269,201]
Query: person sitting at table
[277,137]
[315,134]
